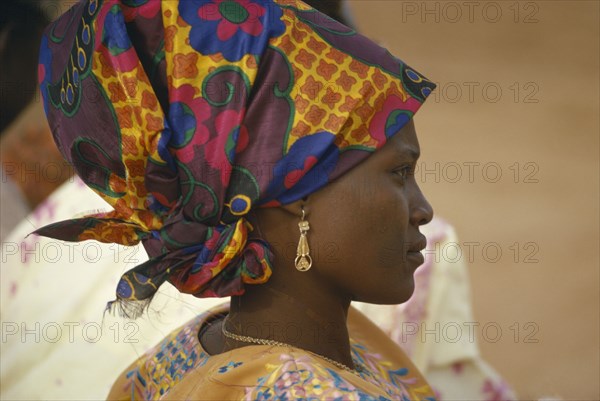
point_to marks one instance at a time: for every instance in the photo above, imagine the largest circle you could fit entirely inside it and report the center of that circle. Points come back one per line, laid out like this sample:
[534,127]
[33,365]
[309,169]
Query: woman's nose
[421,212]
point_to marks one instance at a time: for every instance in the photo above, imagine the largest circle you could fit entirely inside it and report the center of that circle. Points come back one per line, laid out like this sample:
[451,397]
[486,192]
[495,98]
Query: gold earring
[303,260]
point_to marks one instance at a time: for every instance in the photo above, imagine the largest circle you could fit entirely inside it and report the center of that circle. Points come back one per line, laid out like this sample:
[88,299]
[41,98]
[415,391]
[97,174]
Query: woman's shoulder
[386,363]
[155,372]
[260,372]
[179,368]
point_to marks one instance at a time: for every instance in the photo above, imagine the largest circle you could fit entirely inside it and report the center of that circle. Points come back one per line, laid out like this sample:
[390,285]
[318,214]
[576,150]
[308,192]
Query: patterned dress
[179,368]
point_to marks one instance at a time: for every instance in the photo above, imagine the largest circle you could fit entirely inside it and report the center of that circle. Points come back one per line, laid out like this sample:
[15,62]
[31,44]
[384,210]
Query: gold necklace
[264,341]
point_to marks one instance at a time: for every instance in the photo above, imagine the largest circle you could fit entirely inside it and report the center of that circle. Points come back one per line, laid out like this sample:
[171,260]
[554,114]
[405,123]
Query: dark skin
[365,242]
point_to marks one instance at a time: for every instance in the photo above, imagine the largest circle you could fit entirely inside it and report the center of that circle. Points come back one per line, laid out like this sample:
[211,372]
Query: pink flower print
[233,15]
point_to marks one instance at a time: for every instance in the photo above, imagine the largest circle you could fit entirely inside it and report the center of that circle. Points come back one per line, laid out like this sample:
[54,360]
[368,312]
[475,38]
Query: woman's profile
[259,150]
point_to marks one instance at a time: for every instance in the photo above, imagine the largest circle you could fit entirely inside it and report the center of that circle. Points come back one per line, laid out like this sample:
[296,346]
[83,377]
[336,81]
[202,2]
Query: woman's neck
[314,320]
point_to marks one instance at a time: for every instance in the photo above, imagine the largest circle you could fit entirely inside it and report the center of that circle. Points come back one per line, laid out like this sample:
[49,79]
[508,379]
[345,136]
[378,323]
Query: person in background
[31,167]
[21,27]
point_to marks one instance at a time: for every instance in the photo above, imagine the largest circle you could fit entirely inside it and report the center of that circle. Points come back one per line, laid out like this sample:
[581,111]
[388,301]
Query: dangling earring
[303,260]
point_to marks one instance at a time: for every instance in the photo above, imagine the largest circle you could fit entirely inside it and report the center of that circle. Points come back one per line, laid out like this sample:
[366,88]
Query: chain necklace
[264,341]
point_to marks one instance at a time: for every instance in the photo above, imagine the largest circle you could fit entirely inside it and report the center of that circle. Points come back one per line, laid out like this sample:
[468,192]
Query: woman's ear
[279,224]
[295,208]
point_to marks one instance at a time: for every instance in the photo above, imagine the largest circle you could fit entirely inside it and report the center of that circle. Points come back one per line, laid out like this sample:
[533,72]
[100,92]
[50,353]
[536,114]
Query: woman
[234,139]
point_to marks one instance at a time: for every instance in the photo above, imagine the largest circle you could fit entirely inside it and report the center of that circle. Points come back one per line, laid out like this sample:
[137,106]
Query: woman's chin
[391,296]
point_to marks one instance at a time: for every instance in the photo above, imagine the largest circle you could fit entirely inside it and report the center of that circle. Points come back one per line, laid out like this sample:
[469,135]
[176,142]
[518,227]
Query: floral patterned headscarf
[185,115]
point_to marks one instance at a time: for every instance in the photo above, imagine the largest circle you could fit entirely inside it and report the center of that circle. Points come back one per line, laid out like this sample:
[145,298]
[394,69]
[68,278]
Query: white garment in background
[57,343]
[13,206]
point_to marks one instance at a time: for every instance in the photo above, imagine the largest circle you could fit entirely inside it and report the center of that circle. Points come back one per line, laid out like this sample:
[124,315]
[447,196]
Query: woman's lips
[415,257]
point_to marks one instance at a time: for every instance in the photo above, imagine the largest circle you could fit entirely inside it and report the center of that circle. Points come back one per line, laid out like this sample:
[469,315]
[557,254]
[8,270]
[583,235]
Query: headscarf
[185,115]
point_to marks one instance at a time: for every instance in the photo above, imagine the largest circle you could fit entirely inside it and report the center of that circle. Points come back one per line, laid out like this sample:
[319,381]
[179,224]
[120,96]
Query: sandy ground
[511,157]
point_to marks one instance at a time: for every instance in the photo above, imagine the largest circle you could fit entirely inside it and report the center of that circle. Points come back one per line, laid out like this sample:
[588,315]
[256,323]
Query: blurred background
[510,157]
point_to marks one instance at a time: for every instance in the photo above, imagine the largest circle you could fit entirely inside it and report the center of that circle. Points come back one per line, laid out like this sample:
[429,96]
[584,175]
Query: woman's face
[364,234]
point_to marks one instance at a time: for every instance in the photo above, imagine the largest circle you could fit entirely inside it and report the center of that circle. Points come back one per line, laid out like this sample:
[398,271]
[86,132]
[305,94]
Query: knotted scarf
[185,115]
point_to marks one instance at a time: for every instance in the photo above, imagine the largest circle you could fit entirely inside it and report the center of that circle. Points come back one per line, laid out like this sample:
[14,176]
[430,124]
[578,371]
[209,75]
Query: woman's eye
[404,172]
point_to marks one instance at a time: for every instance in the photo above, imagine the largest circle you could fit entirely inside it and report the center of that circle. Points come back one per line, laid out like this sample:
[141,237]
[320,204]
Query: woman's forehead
[403,144]
[402,147]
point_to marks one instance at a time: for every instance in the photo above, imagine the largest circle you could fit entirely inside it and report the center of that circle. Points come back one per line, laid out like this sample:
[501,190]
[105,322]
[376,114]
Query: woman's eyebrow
[407,152]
